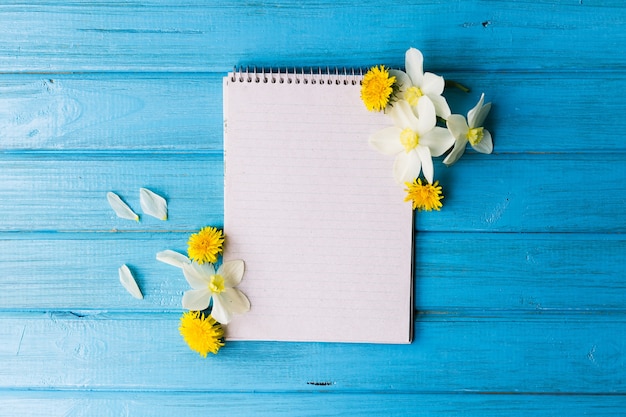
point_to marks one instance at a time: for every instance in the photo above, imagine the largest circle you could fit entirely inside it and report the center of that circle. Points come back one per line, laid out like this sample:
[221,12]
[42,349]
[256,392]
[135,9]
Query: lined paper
[315,214]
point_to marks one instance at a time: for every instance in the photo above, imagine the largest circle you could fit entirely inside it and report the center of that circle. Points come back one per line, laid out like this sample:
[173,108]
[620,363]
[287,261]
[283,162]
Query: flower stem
[450,83]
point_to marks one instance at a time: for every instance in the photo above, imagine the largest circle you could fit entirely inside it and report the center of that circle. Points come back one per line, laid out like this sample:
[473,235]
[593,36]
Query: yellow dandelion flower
[205,245]
[377,88]
[202,333]
[424,196]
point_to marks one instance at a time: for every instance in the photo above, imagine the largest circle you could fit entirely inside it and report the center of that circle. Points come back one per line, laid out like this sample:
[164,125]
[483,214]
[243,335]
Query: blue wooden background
[520,284]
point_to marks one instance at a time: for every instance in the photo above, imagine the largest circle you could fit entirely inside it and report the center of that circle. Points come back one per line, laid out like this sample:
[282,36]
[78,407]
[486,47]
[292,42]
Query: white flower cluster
[415,137]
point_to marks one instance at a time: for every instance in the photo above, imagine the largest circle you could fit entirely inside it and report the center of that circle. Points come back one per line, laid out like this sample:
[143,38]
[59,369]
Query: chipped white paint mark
[591,353]
[497,212]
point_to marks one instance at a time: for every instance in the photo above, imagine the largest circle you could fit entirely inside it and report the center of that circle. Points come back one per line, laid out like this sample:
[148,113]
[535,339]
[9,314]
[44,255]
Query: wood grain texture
[522,272]
[68,193]
[542,353]
[519,282]
[495,193]
[159,111]
[191,36]
[191,404]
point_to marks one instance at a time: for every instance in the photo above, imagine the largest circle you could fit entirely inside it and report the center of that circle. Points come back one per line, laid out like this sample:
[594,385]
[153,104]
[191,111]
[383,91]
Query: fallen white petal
[153,204]
[173,258]
[128,281]
[121,209]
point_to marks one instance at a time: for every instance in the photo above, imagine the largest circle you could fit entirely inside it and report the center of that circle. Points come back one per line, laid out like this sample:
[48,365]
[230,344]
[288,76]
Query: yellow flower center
[424,196]
[409,139]
[202,333]
[412,95]
[377,88]
[475,135]
[216,284]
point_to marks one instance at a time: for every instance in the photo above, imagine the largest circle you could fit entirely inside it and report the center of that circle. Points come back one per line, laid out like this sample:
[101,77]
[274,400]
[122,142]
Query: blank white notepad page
[315,214]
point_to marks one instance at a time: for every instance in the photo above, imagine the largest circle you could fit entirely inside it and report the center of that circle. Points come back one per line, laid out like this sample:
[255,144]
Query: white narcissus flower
[469,131]
[208,284]
[414,140]
[415,84]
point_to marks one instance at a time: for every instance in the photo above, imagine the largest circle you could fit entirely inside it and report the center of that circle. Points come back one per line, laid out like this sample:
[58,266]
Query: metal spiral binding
[297,76]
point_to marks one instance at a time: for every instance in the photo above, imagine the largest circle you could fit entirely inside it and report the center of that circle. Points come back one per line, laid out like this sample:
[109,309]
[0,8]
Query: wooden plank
[539,353]
[79,272]
[188,404]
[456,273]
[531,193]
[499,272]
[66,192]
[183,112]
[162,35]
[156,112]
[498,193]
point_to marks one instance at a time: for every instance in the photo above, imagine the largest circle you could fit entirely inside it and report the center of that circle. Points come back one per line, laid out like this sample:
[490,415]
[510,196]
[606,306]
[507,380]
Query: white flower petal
[414,63]
[387,141]
[406,167]
[482,115]
[403,116]
[173,258]
[220,312]
[128,281]
[427,119]
[486,143]
[457,151]
[457,126]
[198,276]
[153,204]
[236,300]
[441,106]
[232,272]
[121,209]
[229,303]
[403,81]
[433,84]
[427,163]
[477,115]
[196,300]
[438,140]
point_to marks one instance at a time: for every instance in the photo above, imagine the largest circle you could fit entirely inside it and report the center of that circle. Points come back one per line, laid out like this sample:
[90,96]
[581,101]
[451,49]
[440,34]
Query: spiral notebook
[314,212]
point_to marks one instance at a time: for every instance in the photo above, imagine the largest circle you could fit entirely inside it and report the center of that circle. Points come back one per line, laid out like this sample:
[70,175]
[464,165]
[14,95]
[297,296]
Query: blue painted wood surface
[519,282]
